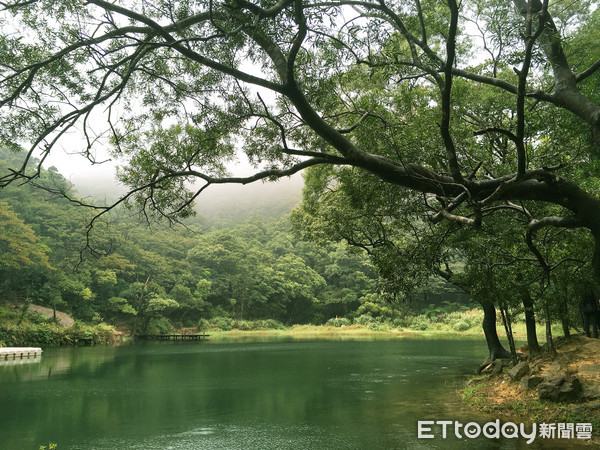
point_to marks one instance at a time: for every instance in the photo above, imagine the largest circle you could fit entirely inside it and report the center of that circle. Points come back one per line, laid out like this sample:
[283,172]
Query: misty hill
[218,205]
[223,204]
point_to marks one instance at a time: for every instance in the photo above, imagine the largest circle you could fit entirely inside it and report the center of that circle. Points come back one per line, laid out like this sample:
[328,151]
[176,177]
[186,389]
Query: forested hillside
[153,278]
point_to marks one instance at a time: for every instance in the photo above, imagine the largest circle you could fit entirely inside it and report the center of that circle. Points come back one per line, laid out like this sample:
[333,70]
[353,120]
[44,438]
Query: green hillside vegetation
[246,273]
[236,270]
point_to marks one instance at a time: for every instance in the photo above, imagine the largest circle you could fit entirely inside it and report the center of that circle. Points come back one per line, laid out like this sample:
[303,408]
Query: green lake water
[276,393]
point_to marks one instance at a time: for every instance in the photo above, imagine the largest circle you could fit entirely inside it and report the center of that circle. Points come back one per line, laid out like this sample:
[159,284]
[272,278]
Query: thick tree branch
[447,95]
[273,11]
[566,94]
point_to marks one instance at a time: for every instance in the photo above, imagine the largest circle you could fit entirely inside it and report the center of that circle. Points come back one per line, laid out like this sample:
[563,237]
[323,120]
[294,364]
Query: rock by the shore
[562,388]
[519,371]
[591,393]
[531,382]
[571,377]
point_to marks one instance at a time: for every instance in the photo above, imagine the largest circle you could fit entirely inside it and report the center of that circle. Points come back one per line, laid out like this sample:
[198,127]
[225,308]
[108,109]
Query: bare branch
[194,56]
[460,219]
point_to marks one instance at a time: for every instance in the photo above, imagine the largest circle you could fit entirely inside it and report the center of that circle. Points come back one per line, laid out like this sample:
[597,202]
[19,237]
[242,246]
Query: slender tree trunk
[140,310]
[25,308]
[551,349]
[293,312]
[509,335]
[532,341]
[491,334]
[564,313]
[134,326]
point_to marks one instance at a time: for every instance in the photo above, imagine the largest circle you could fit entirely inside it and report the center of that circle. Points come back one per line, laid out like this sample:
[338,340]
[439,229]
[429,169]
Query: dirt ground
[63,319]
[578,356]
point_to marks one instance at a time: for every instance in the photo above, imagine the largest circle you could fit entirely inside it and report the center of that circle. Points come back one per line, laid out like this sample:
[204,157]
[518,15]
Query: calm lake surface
[273,393]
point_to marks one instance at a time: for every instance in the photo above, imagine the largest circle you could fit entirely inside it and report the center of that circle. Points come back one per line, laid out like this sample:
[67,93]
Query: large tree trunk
[532,342]
[596,259]
[491,334]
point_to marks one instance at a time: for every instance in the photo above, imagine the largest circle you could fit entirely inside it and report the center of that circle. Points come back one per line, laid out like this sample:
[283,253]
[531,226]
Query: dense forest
[153,278]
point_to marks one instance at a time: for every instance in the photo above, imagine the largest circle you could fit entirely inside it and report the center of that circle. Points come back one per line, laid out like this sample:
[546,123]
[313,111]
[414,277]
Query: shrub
[261,324]
[8,315]
[363,319]
[36,317]
[375,310]
[78,334]
[338,322]
[159,325]
[52,335]
[222,323]
[244,325]
[421,323]
[381,326]
[400,322]
[271,324]
[203,325]
[461,326]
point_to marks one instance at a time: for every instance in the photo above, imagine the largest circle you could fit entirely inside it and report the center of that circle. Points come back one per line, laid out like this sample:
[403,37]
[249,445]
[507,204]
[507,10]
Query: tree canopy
[470,106]
[466,112]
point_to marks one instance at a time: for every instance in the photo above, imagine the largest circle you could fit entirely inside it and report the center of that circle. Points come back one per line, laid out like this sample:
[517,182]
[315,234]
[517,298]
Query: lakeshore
[520,392]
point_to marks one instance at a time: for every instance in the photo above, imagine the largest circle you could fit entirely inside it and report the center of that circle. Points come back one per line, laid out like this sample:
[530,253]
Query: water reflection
[276,393]
[19,361]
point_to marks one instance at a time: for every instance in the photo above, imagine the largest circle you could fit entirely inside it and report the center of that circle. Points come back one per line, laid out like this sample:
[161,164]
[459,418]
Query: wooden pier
[171,337]
[7,353]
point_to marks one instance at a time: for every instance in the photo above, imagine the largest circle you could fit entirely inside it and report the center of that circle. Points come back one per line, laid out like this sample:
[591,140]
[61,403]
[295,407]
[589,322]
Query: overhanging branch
[550,221]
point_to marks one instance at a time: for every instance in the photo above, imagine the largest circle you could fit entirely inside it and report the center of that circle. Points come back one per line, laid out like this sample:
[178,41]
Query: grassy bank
[327,331]
[433,322]
[33,329]
[468,321]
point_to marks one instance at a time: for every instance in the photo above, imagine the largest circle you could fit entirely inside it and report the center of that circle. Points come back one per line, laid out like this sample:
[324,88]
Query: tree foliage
[464,111]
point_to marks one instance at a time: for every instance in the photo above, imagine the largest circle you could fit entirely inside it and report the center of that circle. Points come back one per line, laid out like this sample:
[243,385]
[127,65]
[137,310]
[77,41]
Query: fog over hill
[223,203]
[219,204]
